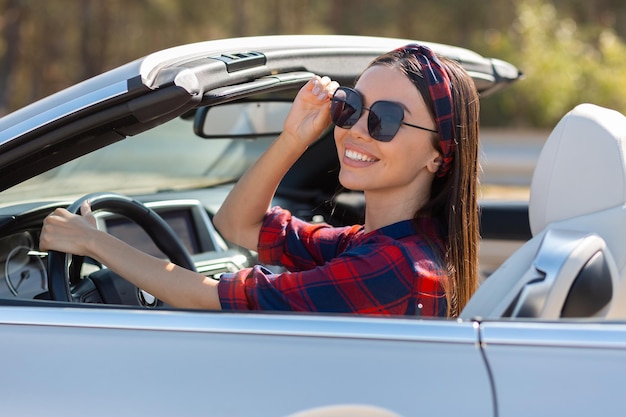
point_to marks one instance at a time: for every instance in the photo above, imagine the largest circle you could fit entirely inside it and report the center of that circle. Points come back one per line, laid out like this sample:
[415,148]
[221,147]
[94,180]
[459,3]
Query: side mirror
[247,119]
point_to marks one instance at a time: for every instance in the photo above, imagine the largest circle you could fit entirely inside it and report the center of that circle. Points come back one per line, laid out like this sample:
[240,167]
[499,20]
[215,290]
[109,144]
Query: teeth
[358,156]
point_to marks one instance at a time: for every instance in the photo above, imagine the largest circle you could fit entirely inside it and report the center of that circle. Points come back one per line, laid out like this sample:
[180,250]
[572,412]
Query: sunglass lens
[345,108]
[384,120]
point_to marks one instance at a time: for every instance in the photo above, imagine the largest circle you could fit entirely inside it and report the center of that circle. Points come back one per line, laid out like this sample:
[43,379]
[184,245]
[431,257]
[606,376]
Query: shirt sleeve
[374,278]
[298,245]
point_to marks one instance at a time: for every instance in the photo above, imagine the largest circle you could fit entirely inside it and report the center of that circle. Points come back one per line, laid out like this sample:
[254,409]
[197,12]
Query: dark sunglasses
[384,118]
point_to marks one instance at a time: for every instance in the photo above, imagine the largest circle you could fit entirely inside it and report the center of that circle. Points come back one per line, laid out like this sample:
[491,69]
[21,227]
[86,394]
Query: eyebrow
[399,103]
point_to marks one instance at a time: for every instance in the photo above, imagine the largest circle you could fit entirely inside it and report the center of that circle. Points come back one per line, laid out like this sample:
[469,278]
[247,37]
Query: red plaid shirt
[391,271]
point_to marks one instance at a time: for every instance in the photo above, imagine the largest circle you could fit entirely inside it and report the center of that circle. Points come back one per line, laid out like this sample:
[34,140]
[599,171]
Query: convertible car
[158,143]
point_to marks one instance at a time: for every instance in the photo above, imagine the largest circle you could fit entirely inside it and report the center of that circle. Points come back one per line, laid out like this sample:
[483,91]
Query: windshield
[170,156]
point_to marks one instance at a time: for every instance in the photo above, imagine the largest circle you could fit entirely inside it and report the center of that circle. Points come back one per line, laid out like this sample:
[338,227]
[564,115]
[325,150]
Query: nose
[360,128]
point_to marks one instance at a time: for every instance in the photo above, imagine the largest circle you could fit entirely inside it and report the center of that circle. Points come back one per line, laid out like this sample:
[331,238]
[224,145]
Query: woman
[407,136]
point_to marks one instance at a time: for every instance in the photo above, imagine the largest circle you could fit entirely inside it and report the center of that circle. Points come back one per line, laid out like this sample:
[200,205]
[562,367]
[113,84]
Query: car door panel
[546,368]
[158,363]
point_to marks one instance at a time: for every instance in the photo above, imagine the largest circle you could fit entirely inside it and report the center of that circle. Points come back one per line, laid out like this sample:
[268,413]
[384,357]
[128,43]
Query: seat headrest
[581,168]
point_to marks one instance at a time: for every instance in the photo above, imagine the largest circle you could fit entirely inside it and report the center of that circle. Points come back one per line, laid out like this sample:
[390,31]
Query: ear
[434,164]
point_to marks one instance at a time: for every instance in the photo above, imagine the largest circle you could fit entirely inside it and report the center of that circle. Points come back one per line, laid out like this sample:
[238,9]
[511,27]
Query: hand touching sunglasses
[384,118]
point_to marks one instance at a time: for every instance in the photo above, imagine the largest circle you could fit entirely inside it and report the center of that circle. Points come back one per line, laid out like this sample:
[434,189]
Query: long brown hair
[454,197]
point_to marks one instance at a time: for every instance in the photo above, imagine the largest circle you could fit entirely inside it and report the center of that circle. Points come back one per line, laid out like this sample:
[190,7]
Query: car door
[102,362]
[568,368]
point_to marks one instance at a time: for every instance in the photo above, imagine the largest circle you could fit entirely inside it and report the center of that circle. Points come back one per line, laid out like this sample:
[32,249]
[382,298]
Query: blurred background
[571,51]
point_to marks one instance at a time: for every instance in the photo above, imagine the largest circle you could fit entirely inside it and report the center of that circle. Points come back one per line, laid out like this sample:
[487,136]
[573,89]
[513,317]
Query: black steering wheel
[104,286]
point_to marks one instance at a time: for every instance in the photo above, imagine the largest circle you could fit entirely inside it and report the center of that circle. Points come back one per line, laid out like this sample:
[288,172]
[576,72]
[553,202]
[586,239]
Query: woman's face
[402,168]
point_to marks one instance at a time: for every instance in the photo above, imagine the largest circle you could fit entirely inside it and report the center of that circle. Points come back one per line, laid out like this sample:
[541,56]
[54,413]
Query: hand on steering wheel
[64,281]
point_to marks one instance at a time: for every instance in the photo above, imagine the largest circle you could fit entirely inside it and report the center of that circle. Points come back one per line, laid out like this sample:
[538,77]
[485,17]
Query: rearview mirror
[242,119]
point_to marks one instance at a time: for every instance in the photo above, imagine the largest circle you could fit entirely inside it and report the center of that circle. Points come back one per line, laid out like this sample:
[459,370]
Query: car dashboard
[23,269]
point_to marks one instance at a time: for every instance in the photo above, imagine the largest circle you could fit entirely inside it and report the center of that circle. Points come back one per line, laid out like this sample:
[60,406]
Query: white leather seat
[576,261]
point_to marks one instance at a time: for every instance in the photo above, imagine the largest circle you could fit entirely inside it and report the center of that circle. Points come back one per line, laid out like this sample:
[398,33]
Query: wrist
[93,241]
[291,143]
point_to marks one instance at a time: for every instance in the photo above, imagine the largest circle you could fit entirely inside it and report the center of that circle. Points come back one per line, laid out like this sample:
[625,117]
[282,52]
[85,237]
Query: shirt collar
[405,228]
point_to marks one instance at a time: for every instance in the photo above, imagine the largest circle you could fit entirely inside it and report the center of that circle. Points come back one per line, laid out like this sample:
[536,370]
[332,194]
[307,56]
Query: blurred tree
[564,65]
[95,33]
[10,25]
[571,50]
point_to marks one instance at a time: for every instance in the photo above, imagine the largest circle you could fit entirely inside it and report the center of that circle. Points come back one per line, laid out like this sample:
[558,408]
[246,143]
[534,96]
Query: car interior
[572,267]
[575,262]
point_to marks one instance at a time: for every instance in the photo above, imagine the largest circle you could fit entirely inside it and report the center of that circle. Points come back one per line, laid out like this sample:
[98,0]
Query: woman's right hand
[66,232]
[310,112]
[240,217]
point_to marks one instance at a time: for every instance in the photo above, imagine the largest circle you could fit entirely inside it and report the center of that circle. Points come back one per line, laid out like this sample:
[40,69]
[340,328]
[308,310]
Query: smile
[356,156]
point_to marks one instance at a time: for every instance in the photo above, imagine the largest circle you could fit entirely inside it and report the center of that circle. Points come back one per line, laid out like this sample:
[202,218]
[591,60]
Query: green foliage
[564,65]
[571,51]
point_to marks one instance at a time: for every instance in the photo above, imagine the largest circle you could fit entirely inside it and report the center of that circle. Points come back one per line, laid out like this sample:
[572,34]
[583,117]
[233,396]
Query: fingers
[85,211]
[323,87]
[57,215]
[85,208]
[49,224]
[63,230]
[310,112]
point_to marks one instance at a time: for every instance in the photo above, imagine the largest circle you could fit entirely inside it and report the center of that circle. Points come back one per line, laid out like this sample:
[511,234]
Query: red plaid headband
[440,90]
